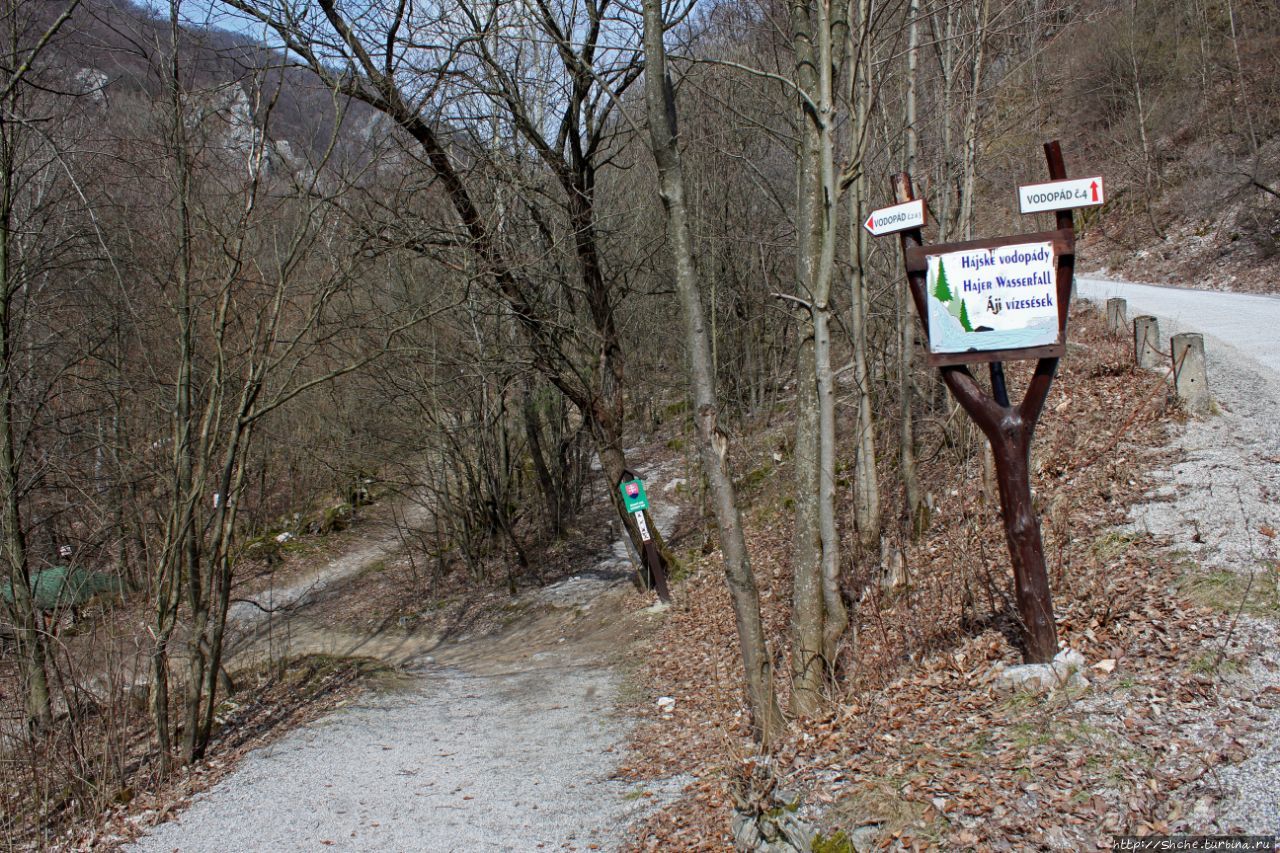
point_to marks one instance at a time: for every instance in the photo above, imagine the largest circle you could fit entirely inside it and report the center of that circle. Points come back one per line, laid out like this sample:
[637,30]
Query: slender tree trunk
[32,652]
[982,15]
[546,483]
[818,613]
[1245,103]
[913,505]
[1144,141]
[180,556]
[866,483]
[713,444]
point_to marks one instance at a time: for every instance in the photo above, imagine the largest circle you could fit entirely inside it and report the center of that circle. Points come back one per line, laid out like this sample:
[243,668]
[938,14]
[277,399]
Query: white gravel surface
[519,761]
[1214,500]
[508,742]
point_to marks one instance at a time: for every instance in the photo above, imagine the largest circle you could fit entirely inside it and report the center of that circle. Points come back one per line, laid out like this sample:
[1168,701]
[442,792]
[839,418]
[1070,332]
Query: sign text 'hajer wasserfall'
[993,299]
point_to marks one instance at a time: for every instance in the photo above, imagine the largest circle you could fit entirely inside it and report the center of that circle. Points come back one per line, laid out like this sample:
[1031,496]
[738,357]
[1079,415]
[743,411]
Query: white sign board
[644,528]
[900,217]
[1061,195]
[993,299]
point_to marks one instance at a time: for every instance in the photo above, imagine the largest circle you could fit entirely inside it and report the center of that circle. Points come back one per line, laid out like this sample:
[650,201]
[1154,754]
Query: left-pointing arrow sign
[900,217]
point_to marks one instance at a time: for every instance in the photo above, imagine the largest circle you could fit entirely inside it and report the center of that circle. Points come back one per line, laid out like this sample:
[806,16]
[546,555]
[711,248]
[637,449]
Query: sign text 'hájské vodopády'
[993,299]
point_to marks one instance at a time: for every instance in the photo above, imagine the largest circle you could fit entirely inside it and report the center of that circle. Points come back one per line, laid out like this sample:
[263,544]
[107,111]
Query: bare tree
[252,294]
[713,443]
[26,164]
[819,32]
[425,69]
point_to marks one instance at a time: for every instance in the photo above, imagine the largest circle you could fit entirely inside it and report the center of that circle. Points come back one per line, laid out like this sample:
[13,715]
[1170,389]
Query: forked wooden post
[1010,428]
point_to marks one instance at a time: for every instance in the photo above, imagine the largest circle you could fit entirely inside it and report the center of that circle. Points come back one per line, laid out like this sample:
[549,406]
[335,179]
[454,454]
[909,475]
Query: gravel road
[458,761]
[1215,500]
[1248,323]
[506,742]
[1227,484]
[381,541]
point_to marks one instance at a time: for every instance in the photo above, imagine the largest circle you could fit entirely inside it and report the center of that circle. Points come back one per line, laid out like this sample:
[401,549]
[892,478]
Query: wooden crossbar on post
[1009,428]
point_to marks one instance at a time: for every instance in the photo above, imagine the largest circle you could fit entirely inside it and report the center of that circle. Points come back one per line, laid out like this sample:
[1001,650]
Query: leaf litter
[916,743]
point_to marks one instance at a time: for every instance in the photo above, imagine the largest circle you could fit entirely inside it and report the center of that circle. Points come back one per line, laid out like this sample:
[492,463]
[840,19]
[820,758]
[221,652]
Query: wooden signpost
[637,503]
[990,301]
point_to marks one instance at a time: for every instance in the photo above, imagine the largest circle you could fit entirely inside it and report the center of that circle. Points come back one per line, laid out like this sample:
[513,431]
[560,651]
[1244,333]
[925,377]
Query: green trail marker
[633,496]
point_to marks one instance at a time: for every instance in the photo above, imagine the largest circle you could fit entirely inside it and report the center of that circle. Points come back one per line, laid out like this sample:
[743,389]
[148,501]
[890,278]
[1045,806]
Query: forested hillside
[264,261]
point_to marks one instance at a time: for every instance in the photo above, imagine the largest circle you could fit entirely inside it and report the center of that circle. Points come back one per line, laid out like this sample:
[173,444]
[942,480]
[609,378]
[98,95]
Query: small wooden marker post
[1009,428]
[637,503]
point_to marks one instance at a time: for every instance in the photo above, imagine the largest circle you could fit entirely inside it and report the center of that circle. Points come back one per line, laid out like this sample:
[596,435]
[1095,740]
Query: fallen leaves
[915,738]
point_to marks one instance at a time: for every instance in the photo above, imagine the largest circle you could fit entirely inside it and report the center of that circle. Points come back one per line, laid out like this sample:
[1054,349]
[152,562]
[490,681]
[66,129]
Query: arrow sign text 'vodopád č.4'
[1061,195]
[900,217]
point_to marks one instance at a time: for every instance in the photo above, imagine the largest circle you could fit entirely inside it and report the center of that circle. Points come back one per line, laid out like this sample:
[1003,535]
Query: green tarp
[64,586]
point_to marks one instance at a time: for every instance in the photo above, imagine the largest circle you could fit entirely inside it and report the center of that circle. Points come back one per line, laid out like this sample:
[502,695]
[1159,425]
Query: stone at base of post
[1190,379]
[1146,341]
[1116,311]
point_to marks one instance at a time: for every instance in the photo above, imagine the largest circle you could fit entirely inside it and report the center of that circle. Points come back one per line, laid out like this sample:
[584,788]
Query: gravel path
[383,541]
[1214,501]
[502,743]
[459,761]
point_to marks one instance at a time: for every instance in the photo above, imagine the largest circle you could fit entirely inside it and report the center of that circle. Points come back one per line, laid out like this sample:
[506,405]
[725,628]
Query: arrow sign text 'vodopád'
[900,217]
[1061,195]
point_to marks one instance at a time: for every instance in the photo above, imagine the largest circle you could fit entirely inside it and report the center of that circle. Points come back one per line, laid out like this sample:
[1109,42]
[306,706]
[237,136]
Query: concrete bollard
[1146,341]
[1116,314]
[1190,379]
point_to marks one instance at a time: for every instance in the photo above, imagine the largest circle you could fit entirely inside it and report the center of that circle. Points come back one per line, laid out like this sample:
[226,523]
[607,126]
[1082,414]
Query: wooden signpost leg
[1010,430]
[658,570]
[652,559]
[653,567]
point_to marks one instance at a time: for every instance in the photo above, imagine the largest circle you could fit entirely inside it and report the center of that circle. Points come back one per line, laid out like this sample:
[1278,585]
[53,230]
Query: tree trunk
[835,617]
[982,15]
[32,652]
[866,483]
[819,617]
[713,444]
[913,505]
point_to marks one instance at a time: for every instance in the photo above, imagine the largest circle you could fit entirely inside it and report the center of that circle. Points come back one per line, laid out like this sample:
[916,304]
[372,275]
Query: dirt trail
[504,742]
[380,542]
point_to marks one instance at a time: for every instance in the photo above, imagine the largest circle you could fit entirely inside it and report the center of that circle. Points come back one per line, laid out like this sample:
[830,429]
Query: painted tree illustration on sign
[942,292]
[964,317]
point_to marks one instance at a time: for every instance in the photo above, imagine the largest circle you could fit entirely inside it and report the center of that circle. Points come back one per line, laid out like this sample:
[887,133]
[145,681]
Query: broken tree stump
[1146,341]
[1190,379]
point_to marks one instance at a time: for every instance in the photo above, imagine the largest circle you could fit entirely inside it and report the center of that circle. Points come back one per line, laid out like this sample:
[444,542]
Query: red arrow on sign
[899,217]
[1094,186]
